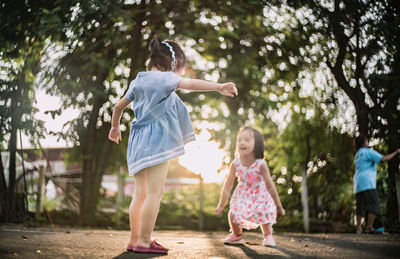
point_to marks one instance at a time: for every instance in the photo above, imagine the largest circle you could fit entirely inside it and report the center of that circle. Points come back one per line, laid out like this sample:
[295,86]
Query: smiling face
[246,143]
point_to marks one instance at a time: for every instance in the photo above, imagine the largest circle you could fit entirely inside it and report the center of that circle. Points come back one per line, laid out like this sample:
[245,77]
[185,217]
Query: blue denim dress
[162,124]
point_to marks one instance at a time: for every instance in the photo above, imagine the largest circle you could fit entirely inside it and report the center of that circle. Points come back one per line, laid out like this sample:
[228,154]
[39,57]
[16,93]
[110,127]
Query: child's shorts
[367,201]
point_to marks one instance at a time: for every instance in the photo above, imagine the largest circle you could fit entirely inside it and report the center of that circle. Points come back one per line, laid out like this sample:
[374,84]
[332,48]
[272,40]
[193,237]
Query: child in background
[367,199]
[158,134]
[255,201]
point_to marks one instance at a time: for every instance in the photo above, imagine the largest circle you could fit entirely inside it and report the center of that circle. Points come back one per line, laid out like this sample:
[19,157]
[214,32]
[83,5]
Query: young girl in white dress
[255,201]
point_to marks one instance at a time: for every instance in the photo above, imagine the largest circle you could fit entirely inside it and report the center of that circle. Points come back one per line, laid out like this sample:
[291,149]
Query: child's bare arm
[115,134]
[228,89]
[271,188]
[390,156]
[226,190]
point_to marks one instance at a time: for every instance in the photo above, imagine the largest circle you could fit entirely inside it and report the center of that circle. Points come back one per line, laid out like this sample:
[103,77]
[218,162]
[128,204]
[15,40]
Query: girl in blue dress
[158,134]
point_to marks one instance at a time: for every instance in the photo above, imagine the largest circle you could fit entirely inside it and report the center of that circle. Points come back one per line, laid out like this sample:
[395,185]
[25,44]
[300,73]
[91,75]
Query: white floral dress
[251,204]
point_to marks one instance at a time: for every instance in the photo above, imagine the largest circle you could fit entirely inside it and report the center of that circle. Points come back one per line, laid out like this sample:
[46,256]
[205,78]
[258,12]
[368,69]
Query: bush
[181,207]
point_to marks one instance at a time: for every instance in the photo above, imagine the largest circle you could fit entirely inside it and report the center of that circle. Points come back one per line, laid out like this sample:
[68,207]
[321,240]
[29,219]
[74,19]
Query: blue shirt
[365,162]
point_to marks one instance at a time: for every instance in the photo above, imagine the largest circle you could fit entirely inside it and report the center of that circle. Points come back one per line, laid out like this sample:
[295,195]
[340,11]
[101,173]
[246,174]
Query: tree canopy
[297,65]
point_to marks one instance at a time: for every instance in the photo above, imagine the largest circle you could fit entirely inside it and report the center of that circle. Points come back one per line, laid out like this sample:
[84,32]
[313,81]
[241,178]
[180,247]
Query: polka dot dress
[251,204]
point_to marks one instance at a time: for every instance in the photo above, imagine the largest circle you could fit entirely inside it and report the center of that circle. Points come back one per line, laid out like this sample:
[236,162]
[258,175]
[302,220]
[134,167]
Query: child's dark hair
[161,56]
[359,141]
[258,142]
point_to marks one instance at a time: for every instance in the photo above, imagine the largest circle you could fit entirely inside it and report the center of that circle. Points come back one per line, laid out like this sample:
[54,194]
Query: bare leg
[370,222]
[155,179]
[266,229]
[267,232]
[359,225]
[237,230]
[136,206]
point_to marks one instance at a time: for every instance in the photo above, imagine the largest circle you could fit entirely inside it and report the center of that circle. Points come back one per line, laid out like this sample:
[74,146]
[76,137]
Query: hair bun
[155,44]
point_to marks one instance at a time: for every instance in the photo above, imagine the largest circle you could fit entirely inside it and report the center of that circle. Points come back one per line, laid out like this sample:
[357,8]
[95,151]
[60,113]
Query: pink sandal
[155,248]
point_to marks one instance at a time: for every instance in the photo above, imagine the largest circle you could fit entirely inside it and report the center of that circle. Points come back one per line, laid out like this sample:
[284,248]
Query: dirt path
[17,242]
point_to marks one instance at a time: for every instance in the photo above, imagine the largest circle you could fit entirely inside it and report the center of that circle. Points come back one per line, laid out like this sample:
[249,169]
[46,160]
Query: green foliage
[359,42]
[310,143]
[23,41]
[22,49]
[105,36]
[241,40]
[117,217]
[50,205]
[266,47]
[181,207]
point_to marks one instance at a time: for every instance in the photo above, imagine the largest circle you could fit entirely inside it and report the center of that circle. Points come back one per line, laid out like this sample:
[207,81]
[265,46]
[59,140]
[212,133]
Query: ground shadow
[254,254]
[224,250]
[292,254]
[373,249]
[247,250]
[126,255]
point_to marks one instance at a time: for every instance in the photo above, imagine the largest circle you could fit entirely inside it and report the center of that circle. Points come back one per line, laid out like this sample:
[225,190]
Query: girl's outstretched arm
[115,133]
[226,190]
[228,89]
[271,188]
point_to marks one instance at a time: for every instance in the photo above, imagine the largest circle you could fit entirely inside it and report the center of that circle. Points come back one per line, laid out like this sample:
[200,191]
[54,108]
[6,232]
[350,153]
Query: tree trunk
[135,52]
[392,201]
[356,96]
[121,184]
[95,159]
[304,202]
[354,93]
[3,194]
[201,193]
[232,137]
[304,190]
[393,139]
[12,148]
[41,192]
[90,178]
[393,196]
[233,119]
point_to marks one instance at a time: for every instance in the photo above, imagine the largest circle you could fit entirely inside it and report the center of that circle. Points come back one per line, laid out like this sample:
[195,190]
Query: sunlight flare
[205,158]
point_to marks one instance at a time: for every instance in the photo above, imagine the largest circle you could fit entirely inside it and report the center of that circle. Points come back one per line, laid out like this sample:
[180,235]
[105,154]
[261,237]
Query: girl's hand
[115,134]
[228,89]
[218,210]
[281,212]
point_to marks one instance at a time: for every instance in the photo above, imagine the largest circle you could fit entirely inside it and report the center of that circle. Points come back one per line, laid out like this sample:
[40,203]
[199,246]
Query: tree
[106,48]
[23,42]
[385,113]
[354,40]
[317,154]
[250,47]
[106,39]
[83,78]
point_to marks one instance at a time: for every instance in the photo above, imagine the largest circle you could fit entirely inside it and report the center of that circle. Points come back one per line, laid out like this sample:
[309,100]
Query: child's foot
[372,231]
[269,241]
[233,239]
[154,248]
[131,245]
